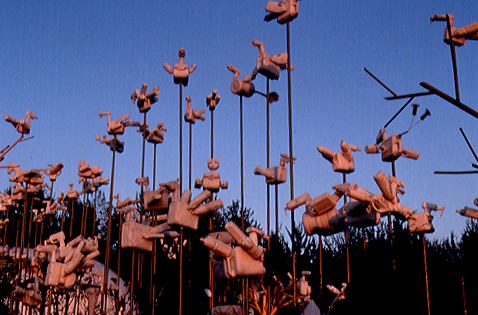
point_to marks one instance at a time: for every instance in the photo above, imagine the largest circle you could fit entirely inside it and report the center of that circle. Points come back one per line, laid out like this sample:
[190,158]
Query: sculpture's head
[213,164]
[182,53]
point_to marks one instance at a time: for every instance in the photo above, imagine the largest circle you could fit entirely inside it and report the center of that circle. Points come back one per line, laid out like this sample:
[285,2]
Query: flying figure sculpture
[341,162]
[390,147]
[268,66]
[22,126]
[277,174]
[192,114]
[181,70]
[145,100]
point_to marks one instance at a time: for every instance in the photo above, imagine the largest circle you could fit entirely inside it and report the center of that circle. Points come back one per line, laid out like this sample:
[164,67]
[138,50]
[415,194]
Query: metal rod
[450,99]
[389,98]
[268,207]
[347,245]
[399,111]
[381,83]
[94,216]
[291,164]
[180,138]
[453,57]
[108,237]
[244,288]
[390,232]
[426,270]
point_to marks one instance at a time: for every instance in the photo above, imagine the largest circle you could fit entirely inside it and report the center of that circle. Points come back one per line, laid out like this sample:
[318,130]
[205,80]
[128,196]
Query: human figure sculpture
[181,70]
[23,126]
[243,260]
[458,35]
[388,201]
[278,174]
[323,218]
[192,114]
[157,199]
[303,287]
[118,147]
[422,222]
[31,295]
[341,162]
[117,127]
[185,212]
[66,259]
[53,171]
[86,171]
[32,177]
[391,148]
[268,66]
[18,192]
[156,135]
[145,100]
[212,100]
[211,181]
[284,10]
[241,87]
[15,169]
[72,194]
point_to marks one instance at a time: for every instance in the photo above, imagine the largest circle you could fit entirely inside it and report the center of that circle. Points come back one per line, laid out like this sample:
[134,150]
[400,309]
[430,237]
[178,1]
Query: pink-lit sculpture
[157,199]
[422,222]
[243,260]
[119,146]
[458,35]
[278,174]
[211,181]
[284,11]
[341,162]
[53,171]
[181,70]
[268,66]
[145,100]
[241,87]
[391,148]
[469,212]
[117,127]
[212,100]
[185,212]
[23,126]
[192,114]
[156,135]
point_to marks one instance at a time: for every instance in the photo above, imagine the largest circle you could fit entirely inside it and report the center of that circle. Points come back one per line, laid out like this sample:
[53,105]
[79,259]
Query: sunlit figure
[22,126]
[181,70]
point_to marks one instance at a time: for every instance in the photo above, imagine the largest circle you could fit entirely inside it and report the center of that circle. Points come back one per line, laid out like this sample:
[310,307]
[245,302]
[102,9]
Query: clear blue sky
[68,61]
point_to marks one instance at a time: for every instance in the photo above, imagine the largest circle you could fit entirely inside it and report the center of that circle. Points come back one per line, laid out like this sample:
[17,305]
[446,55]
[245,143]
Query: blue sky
[69,61]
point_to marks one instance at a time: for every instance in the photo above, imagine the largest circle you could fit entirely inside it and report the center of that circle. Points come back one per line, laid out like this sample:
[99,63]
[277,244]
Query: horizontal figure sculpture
[388,201]
[23,126]
[185,212]
[181,70]
[192,114]
[53,171]
[277,174]
[469,212]
[284,11]
[243,260]
[422,222]
[241,87]
[391,148]
[117,127]
[211,181]
[458,35]
[145,100]
[157,199]
[86,171]
[31,295]
[268,66]
[118,146]
[154,136]
[341,162]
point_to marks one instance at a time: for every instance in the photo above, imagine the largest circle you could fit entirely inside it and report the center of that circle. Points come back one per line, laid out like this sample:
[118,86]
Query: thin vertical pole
[344,176]
[180,192]
[108,237]
[245,293]
[426,269]
[453,57]
[463,292]
[390,232]
[94,216]
[268,193]
[291,164]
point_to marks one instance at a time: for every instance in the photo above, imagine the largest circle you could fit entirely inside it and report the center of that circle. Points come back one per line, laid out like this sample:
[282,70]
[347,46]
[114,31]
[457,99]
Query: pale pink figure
[212,100]
[185,212]
[30,296]
[16,170]
[469,212]
[22,126]
[86,171]
[268,66]
[157,199]
[323,218]
[145,100]
[341,162]
[192,114]
[243,260]
[458,35]
[154,136]
[241,87]
[181,70]
[391,148]
[284,11]
[422,222]
[211,181]
[53,171]
[117,127]
[119,147]
[72,194]
[277,174]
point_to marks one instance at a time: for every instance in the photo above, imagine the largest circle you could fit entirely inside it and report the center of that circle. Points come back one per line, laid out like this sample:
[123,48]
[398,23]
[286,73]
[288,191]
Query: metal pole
[344,176]
[390,232]
[426,270]
[291,163]
[94,216]
[181,233]
[269,196]
[108,237]
[453,57]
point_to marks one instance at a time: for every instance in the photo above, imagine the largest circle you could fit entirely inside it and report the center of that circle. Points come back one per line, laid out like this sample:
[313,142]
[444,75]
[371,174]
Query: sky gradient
[69,61]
